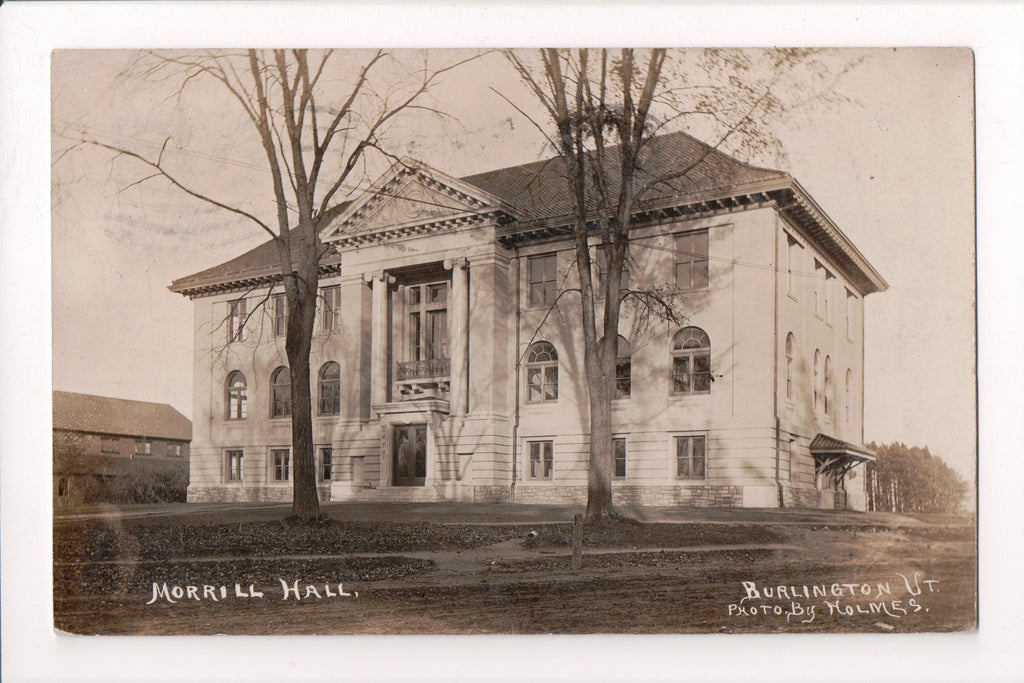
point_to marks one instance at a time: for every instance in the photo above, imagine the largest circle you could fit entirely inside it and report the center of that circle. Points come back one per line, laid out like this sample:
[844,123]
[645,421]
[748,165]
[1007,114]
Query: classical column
[458,338]
[378,337]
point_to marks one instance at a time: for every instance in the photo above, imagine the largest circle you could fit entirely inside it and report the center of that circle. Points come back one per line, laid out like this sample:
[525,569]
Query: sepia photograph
[509,338]
[469,341]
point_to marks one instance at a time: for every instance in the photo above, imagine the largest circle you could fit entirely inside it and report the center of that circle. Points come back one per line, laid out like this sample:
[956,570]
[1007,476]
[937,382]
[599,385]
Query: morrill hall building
[446,367]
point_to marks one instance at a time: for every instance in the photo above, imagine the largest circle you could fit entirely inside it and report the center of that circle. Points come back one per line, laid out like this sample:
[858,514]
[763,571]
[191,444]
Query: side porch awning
[835,457]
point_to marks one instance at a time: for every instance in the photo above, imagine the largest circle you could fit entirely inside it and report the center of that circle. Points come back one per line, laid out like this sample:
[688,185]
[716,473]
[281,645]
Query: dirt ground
[484,569]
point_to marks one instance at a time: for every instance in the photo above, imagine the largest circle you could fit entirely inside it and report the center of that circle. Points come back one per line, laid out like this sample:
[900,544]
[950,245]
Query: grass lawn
[482,569]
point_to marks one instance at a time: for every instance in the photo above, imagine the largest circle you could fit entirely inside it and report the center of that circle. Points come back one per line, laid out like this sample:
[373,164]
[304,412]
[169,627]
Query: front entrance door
[409,455]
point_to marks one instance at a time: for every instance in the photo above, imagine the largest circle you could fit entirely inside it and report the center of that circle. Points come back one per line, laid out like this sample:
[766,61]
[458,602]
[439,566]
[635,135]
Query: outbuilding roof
[118,416]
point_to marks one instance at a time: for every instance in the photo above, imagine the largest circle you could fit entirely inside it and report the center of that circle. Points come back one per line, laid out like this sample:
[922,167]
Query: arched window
[330,389]
[541,373]
[623,367]
[849,384]
[828,386]
[817,367]
[691,361]
[280,393]
[789,365]
[236,398]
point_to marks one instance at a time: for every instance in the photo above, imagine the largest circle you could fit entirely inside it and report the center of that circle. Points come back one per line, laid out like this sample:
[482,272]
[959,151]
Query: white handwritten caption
[804,603]
[307,591]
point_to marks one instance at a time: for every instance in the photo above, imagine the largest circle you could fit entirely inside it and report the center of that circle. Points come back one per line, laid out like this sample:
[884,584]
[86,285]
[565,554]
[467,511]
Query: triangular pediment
[412,195]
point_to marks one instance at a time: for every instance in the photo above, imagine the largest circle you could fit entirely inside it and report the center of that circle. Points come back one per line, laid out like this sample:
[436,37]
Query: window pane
[551,383]
[681,374]
[620,457]
[437,334]
[622,378]
[698,457]
[534,388]
[699,245]
[700,275]
[536,294]
[684,277]
[325,463]
[702,372]
[437,294]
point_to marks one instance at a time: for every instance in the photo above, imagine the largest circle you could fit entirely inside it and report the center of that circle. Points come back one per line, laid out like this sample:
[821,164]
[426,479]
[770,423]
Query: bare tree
[604,109]
[315,122]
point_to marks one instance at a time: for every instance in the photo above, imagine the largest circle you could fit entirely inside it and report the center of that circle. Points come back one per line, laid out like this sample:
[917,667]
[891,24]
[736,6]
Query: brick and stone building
[447,367]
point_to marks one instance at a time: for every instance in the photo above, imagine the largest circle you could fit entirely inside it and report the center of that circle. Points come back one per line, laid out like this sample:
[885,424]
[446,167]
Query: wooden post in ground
[577,542]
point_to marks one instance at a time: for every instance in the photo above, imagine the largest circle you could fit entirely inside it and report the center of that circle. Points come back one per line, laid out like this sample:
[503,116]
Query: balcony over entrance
[429,378]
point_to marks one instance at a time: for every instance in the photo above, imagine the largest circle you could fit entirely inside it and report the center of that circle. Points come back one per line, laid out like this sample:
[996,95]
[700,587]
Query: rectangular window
[691,457]
[326,463]
[793,249]
[281,458]
[332,307]
[174,450]
[851,312]
[109,445]
[541,276]
[143,447]
[819,286]
[691,251]
[830,283]
[541,459]
[619,451]
[233,465]
[542,383]
[236,320]
[428,321]
[280,315]
[823,283]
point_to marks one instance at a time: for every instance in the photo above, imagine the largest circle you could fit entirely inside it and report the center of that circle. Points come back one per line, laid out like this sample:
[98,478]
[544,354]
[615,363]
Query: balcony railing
[423,369]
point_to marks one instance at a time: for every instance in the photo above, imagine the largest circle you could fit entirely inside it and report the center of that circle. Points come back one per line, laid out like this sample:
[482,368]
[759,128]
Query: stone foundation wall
[551,495]
[691,496]
[248,494]
[801,498]
[492,494]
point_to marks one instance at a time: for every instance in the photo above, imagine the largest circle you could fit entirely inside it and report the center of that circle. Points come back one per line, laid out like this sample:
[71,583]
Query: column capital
[462,263]
[380,276]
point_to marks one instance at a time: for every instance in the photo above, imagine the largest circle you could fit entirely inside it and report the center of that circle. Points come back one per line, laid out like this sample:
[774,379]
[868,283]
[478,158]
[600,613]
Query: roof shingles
[105,415]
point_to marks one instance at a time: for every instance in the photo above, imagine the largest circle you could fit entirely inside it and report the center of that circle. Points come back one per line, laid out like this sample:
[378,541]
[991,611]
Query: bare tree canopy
[602,109]
[316,117]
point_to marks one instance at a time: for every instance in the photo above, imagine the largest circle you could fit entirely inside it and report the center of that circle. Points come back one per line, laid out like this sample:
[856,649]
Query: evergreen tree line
[910,479]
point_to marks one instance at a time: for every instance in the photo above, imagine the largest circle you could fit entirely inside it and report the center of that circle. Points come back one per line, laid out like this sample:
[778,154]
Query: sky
[888,155]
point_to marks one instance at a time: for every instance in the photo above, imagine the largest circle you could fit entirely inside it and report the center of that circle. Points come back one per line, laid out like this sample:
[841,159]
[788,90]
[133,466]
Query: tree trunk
[602,462]
[301,319]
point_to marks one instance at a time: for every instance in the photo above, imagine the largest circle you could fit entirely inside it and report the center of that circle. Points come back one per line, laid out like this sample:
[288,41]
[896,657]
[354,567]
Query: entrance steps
[396,494]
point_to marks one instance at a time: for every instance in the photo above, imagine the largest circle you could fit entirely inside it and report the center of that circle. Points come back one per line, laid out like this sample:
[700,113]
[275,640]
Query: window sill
[693,396]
